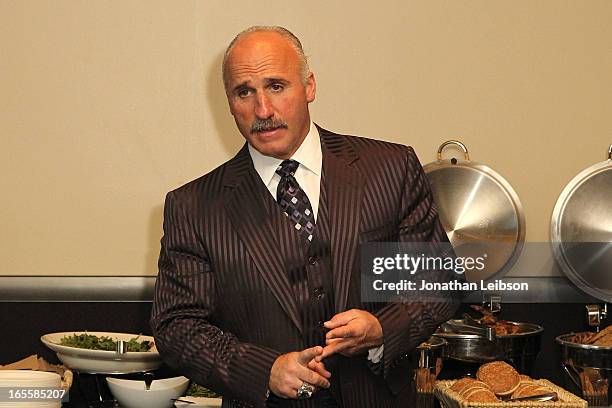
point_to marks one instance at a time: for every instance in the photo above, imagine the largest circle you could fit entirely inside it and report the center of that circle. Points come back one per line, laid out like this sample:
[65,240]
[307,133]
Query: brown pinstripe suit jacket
[224,309]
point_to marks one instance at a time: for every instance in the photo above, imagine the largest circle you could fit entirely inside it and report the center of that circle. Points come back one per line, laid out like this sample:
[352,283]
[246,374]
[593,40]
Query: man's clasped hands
[351,333]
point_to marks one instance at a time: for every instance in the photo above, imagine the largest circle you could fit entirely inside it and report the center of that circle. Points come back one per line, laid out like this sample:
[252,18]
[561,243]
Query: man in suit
[258,294]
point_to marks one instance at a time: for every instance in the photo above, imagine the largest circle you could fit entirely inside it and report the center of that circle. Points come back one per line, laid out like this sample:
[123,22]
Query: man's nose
[263,109]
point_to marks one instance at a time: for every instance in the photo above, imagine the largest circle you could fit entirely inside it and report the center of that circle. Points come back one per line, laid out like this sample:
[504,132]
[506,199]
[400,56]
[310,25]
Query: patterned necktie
[293,200]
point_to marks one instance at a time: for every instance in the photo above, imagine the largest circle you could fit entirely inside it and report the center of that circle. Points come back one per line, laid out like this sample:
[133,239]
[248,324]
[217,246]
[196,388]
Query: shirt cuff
[375,354]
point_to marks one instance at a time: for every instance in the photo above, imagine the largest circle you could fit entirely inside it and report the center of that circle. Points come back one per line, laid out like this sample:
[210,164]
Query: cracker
[500,376]
[459,385]
[482,395]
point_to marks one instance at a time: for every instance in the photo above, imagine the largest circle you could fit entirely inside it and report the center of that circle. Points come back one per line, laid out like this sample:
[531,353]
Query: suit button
[321,326]
[318,293]
[313,260]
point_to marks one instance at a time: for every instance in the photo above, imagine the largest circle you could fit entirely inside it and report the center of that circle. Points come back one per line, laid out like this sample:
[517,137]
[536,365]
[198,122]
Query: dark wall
[24,323]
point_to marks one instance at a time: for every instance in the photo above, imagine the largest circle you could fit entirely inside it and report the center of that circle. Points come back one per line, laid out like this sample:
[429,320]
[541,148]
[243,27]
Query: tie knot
[287,168]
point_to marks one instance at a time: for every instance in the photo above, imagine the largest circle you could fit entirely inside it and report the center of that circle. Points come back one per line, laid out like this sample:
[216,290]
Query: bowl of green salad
[104,352]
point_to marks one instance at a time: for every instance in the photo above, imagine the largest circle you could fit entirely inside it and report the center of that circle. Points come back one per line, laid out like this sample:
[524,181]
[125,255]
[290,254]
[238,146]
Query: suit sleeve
[407,323]
[182,317]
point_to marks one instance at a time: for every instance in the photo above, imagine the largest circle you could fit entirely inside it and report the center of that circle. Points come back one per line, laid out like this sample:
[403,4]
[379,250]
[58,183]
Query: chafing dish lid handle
[460,326]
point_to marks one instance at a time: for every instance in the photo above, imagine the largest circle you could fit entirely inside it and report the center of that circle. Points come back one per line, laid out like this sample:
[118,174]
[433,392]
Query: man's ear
[311,88]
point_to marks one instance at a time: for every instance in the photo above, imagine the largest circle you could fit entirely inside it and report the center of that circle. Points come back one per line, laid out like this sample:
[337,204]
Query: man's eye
[243,93]
[276,87]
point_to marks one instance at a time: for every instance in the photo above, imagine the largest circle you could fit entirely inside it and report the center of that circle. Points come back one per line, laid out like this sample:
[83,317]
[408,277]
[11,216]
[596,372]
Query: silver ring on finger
[305,391]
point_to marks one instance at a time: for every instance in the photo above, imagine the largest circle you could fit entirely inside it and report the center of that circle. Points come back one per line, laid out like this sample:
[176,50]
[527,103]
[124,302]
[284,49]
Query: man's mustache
[263,125]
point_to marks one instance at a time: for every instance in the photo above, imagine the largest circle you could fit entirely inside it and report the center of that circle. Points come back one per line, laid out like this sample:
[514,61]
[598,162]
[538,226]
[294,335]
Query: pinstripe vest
[308,268]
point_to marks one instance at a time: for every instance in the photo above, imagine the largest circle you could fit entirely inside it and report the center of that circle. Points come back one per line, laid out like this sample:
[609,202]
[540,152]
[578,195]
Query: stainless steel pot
[470,348]
[584,355]
[480,211]
[581,229]
[519,348]
[589,367]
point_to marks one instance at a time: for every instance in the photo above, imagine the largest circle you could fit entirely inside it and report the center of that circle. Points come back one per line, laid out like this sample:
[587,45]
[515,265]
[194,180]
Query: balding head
[292,40]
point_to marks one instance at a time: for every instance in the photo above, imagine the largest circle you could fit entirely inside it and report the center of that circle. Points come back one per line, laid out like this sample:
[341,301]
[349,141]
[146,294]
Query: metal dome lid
[479,210]
[581,230]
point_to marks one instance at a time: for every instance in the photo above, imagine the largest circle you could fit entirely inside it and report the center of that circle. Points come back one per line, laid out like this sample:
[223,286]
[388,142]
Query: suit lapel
[343,190]
[246,208]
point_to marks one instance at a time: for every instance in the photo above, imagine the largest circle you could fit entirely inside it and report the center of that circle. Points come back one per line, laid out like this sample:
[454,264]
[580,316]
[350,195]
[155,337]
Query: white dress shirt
[308,173]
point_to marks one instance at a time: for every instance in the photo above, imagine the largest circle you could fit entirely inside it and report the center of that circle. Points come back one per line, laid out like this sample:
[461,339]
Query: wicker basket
[451,399]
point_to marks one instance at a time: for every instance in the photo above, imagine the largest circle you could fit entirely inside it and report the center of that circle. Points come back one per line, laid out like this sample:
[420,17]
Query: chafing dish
[472,343]
[589,367]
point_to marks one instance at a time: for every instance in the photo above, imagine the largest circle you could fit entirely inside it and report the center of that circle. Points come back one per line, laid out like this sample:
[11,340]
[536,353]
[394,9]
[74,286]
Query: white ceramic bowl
[132,393]
[30,379]
[100,361]
[32,404]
